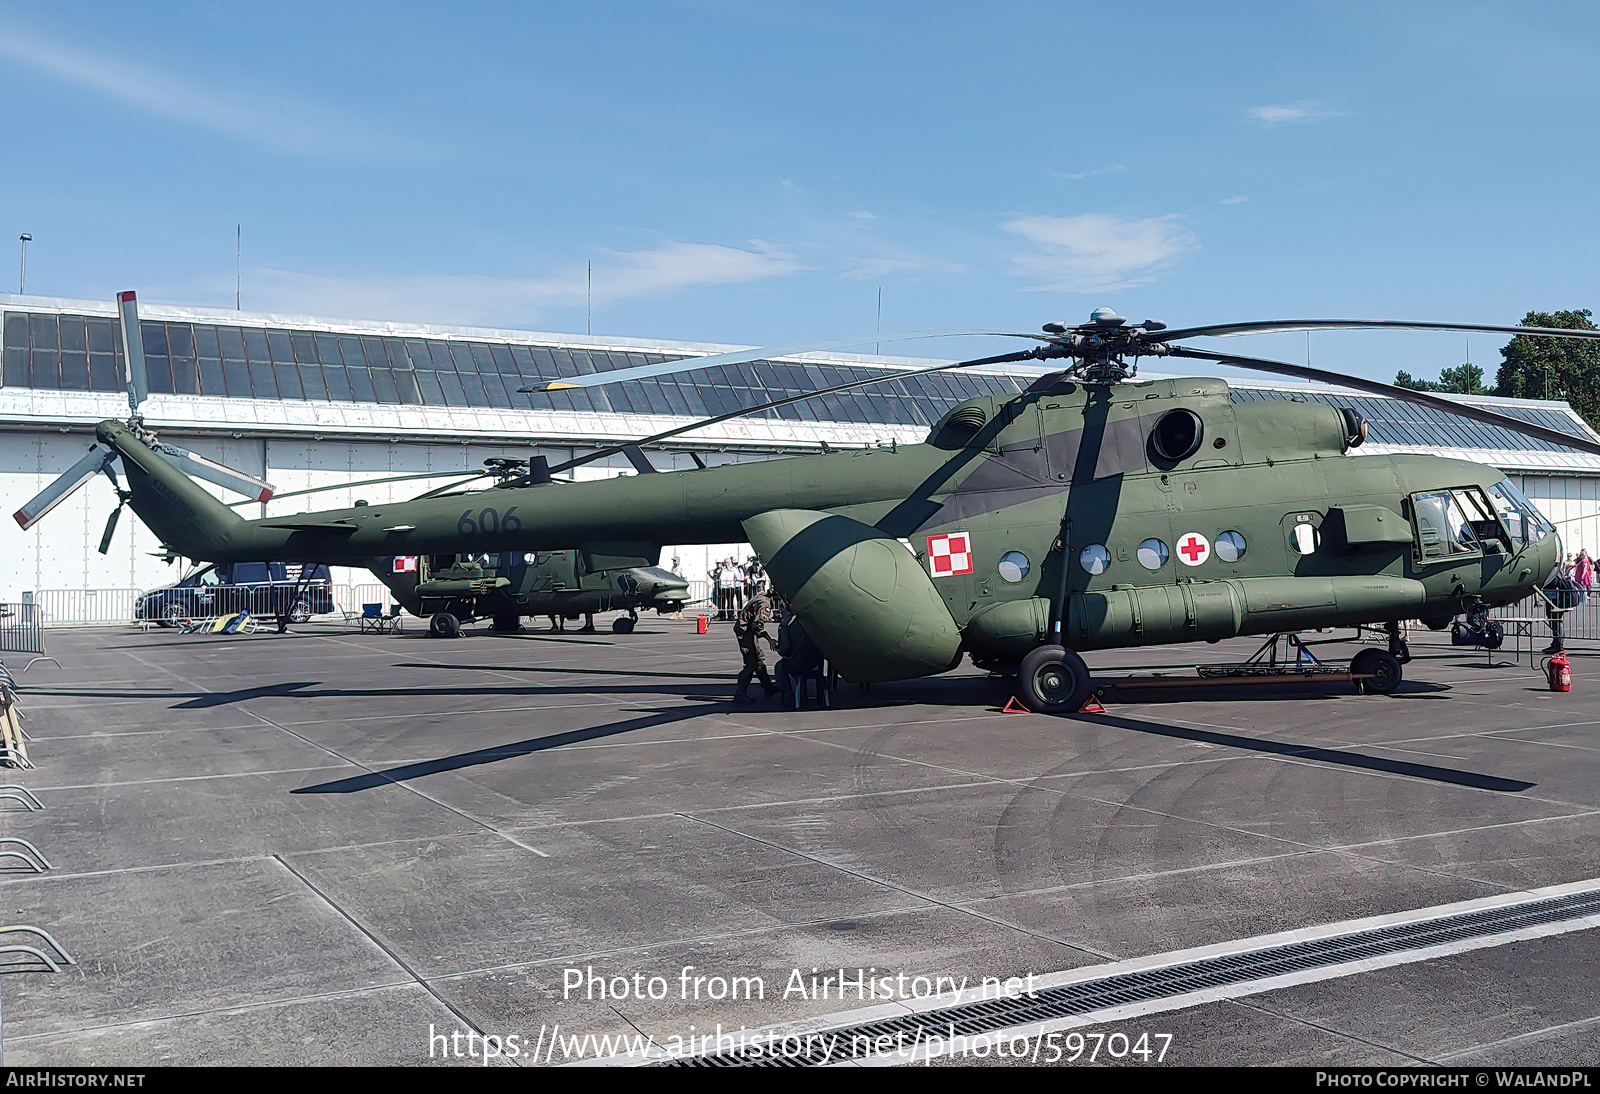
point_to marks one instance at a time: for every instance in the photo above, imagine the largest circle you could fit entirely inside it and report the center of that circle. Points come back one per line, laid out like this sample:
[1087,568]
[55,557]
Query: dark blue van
[284,591]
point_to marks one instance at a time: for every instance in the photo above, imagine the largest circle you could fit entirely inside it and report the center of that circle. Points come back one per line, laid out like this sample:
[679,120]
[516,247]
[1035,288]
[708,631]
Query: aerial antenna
[238,267]
[590,327]
[880,317]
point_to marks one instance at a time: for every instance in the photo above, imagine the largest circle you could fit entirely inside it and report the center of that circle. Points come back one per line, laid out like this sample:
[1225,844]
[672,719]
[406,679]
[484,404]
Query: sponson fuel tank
[1198,610]
[862,597]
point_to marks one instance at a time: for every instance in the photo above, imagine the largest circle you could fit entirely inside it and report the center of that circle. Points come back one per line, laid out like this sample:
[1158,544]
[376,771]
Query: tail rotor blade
[111,527]
[75,476]
[226,477]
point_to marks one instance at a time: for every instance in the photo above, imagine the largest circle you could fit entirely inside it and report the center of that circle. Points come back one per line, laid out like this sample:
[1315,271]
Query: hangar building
[304,401]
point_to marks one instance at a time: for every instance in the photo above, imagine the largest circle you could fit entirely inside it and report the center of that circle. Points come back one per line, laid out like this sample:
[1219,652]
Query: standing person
[1583,570]
[730,591]
[749,630]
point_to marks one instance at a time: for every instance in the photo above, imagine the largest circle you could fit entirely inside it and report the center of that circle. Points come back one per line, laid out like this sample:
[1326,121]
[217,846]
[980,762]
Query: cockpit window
[1519,515]
[1453,522]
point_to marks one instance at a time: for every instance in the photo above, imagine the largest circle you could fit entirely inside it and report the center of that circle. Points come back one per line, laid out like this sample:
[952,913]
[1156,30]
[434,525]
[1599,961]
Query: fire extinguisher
[1559,671]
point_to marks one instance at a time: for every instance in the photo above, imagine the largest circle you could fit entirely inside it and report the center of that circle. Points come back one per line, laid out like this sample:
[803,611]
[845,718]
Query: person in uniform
[749,629]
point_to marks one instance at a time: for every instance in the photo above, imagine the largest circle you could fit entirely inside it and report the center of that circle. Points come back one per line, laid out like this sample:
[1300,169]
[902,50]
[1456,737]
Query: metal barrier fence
[20,631]
[1580,624]
[103,607]
[80,607]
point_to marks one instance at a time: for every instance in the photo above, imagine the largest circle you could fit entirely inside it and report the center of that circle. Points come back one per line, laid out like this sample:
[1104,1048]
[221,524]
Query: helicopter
[504,586]
[1094,510]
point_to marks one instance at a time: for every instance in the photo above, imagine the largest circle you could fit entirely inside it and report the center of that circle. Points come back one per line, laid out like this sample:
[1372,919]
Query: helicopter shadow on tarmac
[1339,756]
[577,672]
[496,753]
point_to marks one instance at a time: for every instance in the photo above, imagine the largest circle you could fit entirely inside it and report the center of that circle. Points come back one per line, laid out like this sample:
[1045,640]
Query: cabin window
[1304,537]
[1517,513]
[1230,546]
[1452,522]
[1153,554]
[1095,558]
[1013,566]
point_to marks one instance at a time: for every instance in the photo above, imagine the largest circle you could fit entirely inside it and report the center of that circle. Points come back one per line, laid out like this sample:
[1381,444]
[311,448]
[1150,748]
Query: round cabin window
[1095,558]
[1153,554]
[1013,566]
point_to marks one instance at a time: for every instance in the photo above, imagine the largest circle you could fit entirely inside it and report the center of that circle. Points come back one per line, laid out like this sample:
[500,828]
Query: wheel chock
[1014,707]
[1092,705]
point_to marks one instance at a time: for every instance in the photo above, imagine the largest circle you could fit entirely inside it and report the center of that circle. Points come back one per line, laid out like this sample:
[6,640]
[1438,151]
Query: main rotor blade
[1230,330]
[738,357]
[364,482]
[1019,355]
[98,459]
[199,467]
[133,350]
[1405,394]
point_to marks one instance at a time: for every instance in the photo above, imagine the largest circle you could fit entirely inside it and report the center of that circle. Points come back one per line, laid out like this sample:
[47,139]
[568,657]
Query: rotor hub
[1105,350]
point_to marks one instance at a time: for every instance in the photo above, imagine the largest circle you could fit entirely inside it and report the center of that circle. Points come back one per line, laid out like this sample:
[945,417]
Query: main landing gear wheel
[1381,669]
[444,625]
[1053,680]
[622,625]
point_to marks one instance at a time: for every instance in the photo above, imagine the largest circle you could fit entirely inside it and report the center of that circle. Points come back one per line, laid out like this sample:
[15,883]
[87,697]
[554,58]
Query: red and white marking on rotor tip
[1193,548]
[950,554]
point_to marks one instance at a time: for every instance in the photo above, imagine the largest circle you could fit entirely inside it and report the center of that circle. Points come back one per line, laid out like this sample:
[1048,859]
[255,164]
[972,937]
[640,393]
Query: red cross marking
[1193,548]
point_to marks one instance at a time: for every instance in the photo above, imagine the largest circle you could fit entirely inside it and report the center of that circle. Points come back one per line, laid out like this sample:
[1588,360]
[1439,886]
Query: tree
[1463,379]
[1554,368]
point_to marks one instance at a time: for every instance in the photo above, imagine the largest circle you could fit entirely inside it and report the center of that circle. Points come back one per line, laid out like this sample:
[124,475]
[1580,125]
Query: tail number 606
[489,521]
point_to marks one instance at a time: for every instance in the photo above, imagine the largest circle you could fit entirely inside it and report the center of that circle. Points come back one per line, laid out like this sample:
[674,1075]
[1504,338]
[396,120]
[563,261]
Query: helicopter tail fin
[188,520]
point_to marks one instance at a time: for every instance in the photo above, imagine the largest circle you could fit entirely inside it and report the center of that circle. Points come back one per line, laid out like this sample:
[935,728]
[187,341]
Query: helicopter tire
[1380,668]
[1493,635]
[622,625]
[1053,680]
[444,625]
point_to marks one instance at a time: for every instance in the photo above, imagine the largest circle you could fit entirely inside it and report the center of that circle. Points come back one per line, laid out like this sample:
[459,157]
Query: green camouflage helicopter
[1094,510]
[504,586]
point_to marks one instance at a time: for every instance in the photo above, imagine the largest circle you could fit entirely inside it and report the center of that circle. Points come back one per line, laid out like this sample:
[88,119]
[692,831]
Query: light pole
[22,274]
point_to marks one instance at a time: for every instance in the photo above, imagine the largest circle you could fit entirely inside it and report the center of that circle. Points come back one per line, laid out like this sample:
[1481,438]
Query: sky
[753,172]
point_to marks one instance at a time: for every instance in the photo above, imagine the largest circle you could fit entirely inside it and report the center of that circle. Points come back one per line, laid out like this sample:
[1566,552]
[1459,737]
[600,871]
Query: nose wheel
[1376,671]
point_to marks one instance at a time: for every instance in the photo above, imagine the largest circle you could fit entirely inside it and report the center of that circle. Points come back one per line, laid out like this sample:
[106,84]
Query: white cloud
[474,299]
[1240,200]
[281,125]
[864,215]
[1304,111]
[1097,252]
[857,268]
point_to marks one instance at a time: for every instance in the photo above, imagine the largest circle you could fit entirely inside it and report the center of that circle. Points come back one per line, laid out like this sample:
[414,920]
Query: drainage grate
[992,1015]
